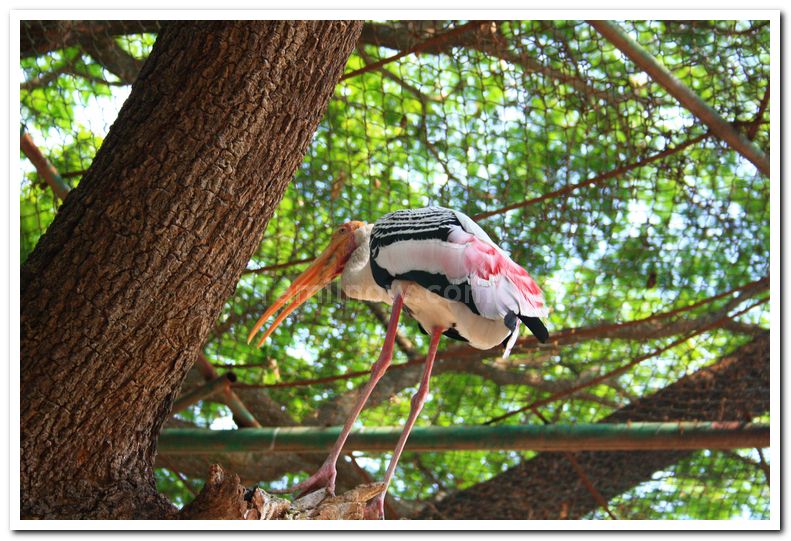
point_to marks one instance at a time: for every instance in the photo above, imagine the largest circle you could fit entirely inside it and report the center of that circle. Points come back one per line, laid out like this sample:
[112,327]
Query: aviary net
[647,232]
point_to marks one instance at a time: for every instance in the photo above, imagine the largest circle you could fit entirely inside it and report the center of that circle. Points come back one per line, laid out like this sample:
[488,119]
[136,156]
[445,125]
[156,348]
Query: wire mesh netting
[648,234]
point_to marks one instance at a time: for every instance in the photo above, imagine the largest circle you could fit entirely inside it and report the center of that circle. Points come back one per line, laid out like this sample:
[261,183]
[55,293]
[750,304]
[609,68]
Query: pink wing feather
[499,285]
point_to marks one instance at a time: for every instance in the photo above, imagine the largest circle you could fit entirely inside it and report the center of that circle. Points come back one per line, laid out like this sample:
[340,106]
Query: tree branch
[46,78]
[650,328]
[546,488]
[691,101]
[39,37]
[446,37]
[620,370]
[598,179]
[752,129]
[113,58]
[404,343]
[44,167]
[486,39]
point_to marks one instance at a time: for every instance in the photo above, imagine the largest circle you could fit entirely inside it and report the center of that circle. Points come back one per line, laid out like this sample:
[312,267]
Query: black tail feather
[536,327]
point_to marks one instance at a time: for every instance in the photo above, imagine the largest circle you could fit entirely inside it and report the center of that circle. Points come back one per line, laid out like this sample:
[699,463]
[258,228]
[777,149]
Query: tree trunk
[736,388]
[124,287]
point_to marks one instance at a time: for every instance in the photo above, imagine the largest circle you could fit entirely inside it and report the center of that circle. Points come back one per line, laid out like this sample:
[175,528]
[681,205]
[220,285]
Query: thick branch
[547,488]
[113,58]
[718,125]
[39,37]
[224,498]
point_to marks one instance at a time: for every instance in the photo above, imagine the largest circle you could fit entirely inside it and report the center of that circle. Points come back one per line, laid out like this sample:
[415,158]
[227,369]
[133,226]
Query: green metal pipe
[579,437]
[241,415]
[204,391]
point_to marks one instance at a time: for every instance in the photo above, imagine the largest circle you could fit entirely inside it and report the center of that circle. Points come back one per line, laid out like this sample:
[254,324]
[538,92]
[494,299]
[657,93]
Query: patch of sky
[223,422]
[674,119]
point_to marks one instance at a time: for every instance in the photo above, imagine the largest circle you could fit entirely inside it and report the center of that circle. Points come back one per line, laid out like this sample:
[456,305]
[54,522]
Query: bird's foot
[323,478]
[375,510]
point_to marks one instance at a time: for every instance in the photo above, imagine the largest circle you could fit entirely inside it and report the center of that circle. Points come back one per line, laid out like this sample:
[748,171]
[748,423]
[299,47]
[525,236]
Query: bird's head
[322,271]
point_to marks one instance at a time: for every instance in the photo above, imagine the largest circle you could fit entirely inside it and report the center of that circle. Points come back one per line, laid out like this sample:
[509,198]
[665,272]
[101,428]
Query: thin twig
[598,179]
[577,334]
[396,79]
[46,78]
[683,94]
[623,369]
[756,123]
[763,465]
[580,471]
[277,266]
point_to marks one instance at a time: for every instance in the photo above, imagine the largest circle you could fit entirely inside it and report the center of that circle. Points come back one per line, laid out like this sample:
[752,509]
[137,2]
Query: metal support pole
[688,98]
[580,437]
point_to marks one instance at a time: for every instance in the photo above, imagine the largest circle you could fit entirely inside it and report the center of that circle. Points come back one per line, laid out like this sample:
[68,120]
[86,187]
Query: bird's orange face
[323,270]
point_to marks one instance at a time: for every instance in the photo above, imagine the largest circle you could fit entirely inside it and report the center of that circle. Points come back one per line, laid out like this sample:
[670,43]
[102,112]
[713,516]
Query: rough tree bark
[736,388]
[124,287]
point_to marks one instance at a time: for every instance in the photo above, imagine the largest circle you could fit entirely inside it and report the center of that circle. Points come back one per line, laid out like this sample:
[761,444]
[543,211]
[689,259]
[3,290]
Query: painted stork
[446,272]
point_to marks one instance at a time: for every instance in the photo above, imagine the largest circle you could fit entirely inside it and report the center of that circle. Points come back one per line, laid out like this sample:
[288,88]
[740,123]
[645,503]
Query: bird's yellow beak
[322,271]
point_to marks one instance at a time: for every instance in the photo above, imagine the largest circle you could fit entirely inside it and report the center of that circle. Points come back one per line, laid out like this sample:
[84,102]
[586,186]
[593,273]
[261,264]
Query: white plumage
[474,284]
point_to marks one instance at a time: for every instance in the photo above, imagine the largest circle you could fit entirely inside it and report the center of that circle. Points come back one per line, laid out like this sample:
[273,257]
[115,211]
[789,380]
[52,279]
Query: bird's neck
[357,281]
[361,255]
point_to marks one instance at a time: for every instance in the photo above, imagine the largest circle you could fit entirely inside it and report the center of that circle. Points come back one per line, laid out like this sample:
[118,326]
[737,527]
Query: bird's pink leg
[375,508]
[325,476]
